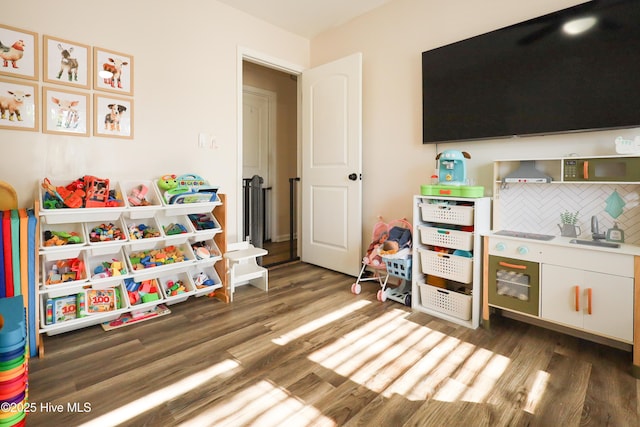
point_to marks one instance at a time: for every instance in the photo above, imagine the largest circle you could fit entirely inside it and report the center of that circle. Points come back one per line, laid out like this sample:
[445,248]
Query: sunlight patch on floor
[263,404]
[346,355]
[165,394]
[536,392]
[319,323]
[392,355]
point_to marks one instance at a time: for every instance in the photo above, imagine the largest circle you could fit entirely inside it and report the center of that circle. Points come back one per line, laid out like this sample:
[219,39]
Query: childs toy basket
[445,237]
[447,214]
[446,301]
[399,267]
[449,266]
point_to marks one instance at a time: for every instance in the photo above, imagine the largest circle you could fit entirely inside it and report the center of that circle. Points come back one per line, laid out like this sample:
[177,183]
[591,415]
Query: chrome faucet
[595,232]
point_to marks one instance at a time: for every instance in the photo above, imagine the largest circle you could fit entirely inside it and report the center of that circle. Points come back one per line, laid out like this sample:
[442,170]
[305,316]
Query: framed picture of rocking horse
[112,71]
[66,62]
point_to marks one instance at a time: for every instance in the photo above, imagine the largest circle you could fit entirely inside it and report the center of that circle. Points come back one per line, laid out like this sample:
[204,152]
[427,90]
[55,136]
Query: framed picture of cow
[18,53]
[18,105]
[112,71]
[112,116]
[65,112]
[66,62]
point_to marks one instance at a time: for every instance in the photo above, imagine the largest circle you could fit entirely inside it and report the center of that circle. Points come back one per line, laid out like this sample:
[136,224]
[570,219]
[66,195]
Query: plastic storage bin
[167,282]
[58,240]
[446,301]
[447,213]
[104,268]
[69,215]
[454,239]
[199,272]
[141,198]
[399,267]
[176,228]
[447,266]
[137,238]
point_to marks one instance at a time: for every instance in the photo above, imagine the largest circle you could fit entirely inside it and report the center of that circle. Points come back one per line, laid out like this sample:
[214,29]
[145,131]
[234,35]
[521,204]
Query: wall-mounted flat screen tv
[577,69]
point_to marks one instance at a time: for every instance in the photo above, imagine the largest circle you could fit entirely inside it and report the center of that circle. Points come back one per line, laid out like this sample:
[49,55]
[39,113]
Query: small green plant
[569,217]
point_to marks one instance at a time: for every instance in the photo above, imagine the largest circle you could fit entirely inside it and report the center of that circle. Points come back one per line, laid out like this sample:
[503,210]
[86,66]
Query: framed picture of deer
[66,62]
[65,112]
[18,105]
[112,71]
[18,53]
[112,116]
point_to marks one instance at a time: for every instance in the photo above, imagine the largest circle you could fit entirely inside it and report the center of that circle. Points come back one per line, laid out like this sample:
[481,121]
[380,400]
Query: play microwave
[619,169]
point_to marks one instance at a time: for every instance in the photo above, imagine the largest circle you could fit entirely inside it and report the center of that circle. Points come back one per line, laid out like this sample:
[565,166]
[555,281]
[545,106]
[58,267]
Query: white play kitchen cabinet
[580,286]
[70,293]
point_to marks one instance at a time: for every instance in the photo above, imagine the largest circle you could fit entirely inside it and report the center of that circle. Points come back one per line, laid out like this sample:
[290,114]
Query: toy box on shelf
[184,194]
[142,198]
[86,307]
[85,199]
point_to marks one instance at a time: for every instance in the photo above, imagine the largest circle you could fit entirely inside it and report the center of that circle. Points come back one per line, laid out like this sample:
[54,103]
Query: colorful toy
[97,192]
[106,232]
[138,195]
[100,300]
[142,231]
[70,198]
[61,309]
[187,188]
[201,280]
[142,292]
[65,270]
[61,238]
[167,182]
[156,257]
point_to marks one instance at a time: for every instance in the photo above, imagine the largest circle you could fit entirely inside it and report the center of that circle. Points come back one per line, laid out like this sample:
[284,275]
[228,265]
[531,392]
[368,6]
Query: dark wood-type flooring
[310,353]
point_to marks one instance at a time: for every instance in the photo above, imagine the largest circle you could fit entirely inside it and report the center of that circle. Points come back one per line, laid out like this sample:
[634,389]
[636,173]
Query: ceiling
[306,18]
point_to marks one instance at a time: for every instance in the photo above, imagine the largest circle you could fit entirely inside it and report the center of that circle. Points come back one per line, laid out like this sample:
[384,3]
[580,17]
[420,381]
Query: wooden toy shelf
[81,220]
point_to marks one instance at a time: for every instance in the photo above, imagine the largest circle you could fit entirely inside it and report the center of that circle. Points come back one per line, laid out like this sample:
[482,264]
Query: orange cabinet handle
[589,298]
[577,298]
[516,266]
[585,169]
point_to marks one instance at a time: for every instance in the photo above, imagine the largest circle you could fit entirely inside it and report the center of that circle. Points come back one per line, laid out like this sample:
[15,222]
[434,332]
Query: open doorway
[270,150]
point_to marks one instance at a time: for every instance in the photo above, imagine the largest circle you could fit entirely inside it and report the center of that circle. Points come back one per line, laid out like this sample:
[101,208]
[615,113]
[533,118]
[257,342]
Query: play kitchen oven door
[514,284]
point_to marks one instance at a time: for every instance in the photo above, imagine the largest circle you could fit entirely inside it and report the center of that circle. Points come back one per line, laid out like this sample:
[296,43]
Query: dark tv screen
[534,78]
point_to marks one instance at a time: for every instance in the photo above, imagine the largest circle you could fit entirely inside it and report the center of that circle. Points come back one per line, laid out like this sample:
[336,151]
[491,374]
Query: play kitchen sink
[600,243]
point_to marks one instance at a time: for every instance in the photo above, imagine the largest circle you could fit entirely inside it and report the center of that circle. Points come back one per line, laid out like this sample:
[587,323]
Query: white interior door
[255,134]
[332,165]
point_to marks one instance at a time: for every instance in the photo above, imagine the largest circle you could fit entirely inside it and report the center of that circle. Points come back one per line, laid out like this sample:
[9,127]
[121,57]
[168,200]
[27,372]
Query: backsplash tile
[536,208]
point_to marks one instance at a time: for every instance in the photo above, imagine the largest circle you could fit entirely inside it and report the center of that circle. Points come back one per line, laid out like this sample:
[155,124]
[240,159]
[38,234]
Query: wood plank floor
[310,353]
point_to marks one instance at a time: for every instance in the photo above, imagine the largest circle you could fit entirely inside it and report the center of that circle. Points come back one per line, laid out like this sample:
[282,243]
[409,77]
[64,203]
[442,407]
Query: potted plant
[568,221]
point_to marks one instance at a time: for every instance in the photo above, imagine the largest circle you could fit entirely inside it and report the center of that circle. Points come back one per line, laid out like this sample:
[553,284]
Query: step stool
[243,267]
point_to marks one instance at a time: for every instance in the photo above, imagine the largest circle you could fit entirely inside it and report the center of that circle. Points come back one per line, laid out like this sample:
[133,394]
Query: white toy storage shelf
[447,274]
[126,251]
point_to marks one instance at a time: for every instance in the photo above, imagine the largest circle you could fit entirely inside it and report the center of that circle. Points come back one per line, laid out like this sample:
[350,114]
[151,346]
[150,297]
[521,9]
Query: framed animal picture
[65,112]
[18,105]
[66,62]
[112,116]
[18,53]
[112,71]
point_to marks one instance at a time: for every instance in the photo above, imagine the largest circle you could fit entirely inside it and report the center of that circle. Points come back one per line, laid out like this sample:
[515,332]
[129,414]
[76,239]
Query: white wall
[185,82]
[392,39]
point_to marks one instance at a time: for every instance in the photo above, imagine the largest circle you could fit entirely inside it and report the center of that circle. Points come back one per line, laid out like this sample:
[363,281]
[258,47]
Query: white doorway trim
[246,54]
[270,99]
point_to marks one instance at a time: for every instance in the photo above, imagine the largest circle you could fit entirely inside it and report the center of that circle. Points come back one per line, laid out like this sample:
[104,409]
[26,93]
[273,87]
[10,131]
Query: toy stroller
[388,239]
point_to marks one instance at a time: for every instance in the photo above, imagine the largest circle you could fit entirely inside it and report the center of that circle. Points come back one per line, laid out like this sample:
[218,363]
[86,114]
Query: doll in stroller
[388,254]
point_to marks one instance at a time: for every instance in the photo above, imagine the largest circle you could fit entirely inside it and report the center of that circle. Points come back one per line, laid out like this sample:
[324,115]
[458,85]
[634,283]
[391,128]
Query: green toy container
[470,191]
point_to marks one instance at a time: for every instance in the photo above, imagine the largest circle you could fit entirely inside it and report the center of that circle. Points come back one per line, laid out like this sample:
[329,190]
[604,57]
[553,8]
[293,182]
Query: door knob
[353,176]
